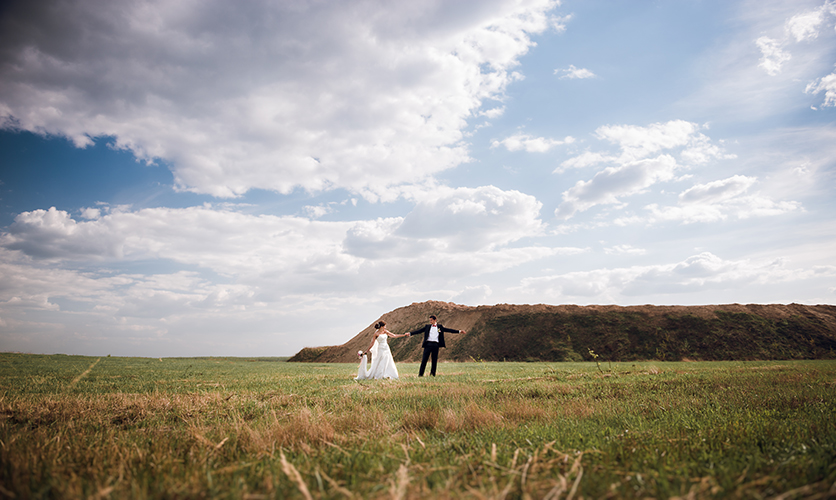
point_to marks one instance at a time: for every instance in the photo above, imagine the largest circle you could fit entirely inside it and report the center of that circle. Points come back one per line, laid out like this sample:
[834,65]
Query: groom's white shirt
[433,334]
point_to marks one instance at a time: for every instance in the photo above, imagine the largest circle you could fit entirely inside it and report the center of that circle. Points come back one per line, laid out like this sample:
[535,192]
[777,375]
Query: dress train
[383,364]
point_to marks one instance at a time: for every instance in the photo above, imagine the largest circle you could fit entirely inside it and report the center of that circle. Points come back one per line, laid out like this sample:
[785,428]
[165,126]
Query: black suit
[431,348]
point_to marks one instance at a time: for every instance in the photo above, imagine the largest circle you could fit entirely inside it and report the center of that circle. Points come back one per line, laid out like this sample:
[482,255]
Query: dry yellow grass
[494,431]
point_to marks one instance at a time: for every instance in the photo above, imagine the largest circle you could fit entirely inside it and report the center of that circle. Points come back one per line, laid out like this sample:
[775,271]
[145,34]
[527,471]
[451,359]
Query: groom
[433,340]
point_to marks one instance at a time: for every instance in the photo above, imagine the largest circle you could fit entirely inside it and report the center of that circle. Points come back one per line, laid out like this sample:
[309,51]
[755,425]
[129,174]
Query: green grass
[73,427]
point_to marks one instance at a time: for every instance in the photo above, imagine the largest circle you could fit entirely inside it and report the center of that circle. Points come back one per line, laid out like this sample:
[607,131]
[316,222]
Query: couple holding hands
[383,364]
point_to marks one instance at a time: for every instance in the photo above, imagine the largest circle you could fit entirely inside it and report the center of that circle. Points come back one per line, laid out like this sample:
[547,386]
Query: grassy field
[81,427]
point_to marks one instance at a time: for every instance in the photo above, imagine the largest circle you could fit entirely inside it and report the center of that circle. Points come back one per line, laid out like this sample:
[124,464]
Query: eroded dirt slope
[568,332]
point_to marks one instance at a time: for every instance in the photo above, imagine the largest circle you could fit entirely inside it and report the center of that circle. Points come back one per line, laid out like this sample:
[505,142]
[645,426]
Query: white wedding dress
[383,364]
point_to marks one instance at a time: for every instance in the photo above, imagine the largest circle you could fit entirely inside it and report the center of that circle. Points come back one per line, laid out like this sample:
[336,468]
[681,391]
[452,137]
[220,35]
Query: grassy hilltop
[568,333]
[80,427]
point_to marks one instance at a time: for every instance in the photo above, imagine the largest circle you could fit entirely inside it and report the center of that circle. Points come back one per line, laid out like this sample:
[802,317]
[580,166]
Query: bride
[383,364]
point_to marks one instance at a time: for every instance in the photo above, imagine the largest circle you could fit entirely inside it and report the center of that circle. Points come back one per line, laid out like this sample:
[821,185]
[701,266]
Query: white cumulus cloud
[826,84]
[573,73]
[624,250]
[525,142]
[610,185]
[303,252]
[720,200]
[647,156]
[773,56]
[805,26]
[473,218]
[638,142]
[274,95]
[700,273]
[239,272]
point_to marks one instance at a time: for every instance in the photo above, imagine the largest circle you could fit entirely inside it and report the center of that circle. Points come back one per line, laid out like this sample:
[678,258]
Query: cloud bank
[275,95]
[350,106]
[647,156]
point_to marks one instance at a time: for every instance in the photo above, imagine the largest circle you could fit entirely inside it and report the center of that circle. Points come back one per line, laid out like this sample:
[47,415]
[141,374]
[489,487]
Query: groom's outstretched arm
[420,330]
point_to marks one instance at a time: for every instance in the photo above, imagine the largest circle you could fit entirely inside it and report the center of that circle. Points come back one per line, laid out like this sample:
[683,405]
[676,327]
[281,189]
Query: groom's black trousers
[430,350]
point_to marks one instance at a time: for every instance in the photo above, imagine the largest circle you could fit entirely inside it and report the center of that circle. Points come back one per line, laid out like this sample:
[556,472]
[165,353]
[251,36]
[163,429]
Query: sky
[223,178]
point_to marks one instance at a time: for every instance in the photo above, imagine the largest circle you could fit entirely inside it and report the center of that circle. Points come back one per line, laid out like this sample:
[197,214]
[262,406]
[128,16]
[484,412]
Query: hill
[616,333]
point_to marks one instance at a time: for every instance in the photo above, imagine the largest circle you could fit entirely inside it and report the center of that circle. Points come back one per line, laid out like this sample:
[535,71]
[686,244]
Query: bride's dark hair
[380,324]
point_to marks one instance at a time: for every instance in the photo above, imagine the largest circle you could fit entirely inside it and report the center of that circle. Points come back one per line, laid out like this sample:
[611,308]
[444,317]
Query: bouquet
[359,354]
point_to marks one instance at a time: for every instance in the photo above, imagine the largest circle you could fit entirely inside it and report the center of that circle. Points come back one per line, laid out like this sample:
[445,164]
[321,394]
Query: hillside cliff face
[567,333]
